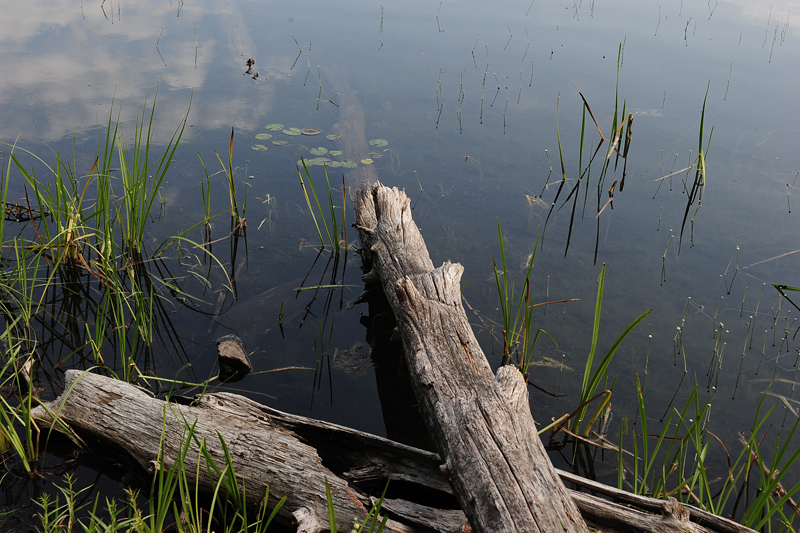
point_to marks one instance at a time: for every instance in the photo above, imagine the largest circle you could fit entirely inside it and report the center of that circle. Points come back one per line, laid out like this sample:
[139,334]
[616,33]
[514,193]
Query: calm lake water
[467,95]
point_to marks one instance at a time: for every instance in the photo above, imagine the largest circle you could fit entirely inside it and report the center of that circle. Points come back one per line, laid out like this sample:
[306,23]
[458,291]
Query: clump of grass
[81,251]
[18,432]
[336,233]
[227,169]
[577,422]
[176,494]
[621,135]
[519,337]
[372,517]
[593,378]
[694,194]
[516,313]
[69,511]
[142,178]
[676,462]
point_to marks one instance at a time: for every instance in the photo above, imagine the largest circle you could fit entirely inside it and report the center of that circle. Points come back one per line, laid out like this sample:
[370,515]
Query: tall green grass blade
[591,380]
[308,199]
[331,512]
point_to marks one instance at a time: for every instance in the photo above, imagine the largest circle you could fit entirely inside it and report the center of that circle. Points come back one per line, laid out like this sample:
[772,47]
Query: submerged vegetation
[84,284]
[79,280]
[682,459]
[78,272]
[677,461]
[81,287]
[81,234]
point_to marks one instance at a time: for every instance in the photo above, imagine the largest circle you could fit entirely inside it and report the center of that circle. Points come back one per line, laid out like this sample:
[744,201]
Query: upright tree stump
[481,423]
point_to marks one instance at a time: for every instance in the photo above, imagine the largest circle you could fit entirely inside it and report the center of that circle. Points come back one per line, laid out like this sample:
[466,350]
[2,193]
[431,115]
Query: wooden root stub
[234,364]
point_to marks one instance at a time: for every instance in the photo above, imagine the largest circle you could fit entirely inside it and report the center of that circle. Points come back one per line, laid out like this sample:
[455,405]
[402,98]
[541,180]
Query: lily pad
[263,136]
[349,164]
[280,143]
[274,127]
[319,151]
[335,152]
[332,137]
[292,131]
[336,164]
[367,161]
[375,155]
[260,148]
[315,161]
[380,143]
[311,131]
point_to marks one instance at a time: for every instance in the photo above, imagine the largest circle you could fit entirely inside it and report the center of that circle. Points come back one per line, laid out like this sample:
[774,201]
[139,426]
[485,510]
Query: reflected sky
[481,79]
[64,61]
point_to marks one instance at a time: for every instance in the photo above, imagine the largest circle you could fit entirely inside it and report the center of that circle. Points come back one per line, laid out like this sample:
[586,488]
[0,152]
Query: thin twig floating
[610,199]
[159,51]
[773,258]
[687,169]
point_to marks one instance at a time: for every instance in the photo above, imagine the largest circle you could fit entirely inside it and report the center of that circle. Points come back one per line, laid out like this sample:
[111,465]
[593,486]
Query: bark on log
[703,518]
[291,453]
[481,423]
[263,453]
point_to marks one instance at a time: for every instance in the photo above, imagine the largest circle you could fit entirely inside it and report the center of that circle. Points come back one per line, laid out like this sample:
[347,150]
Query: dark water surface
[476,151]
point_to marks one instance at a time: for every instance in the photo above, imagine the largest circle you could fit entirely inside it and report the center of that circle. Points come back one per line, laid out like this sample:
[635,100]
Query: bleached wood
[130,419]
[263,453]
[481,423]
[699,516]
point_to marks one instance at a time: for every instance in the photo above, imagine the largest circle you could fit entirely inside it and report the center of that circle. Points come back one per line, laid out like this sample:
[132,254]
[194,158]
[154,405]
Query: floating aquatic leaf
[315,161]
[274,127]
[335,152]
[263,136]
[311,131]
[349,164]
[259,148]
[280,143]
[292,131]
[376,155]
[319,151]
[380,143]
[332,137]
[367,161]
[336,164]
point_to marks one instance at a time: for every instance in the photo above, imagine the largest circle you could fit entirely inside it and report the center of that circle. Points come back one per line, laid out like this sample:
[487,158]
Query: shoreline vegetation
[77,270]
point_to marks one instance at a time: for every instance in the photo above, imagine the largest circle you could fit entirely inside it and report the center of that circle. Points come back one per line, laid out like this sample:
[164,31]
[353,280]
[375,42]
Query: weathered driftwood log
[481,423]
[263,453]
[292,453]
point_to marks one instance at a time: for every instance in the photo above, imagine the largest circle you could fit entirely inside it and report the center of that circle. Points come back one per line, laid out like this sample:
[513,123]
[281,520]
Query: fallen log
[481,423]
[264,454]
[292,454]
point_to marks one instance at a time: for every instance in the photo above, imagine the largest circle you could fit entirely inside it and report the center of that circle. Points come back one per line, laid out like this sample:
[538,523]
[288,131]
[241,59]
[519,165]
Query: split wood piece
[602,516]
[264,454]
[674,516]
[481,423]
[128,417]
[703,518]
[234,364]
